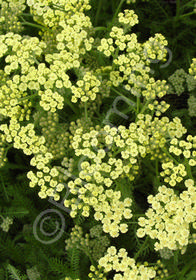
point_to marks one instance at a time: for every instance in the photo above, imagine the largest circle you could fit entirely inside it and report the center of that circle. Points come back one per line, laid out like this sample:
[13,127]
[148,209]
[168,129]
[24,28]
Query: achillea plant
[123,175]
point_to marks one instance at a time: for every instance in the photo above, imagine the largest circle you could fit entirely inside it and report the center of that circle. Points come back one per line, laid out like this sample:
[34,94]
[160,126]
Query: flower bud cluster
[9,13]
[192,106]
[166,253]
[191,82]
[177,81]
[56,134]
[76,238]
[65,169]
[161,271]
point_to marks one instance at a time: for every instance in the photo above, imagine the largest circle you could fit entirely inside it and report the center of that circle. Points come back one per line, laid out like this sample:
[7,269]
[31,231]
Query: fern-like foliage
[9,249]
[57,265]
[73,256]
[15,274]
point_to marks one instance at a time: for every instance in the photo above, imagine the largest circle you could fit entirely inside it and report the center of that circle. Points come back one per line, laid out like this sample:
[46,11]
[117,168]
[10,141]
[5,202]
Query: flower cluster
[192,69]
[128,18]
[155,89]
[154,48]
[159,108]
[5,225]
[106,204]
[74,36]
[168,220]
[86,89]
[45,177]
[52,12]
[131,69]
[173,174]
[184,148]
[15,90]
[23,137]
[3,150]
[96,273]
[120,262]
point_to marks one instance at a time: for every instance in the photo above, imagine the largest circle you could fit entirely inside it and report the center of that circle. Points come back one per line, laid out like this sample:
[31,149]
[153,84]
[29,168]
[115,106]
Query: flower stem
[116,13]
[86,112]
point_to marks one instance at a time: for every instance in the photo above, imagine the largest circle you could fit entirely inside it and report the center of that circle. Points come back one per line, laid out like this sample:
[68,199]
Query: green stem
[138,105]
[116,13]
[99,28]
[186,15]
[26,14]
[169,155]
[15,213]
[188,168]
[143,108]
[138,215]
[28,97]
[70,104]
[176,262]
[85,250]
[157,173]
[170,277]
[7,149]
[177,9]
[86,111]
[162,8]
[119,93]
[98,12]
[131,222]
[34,25]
